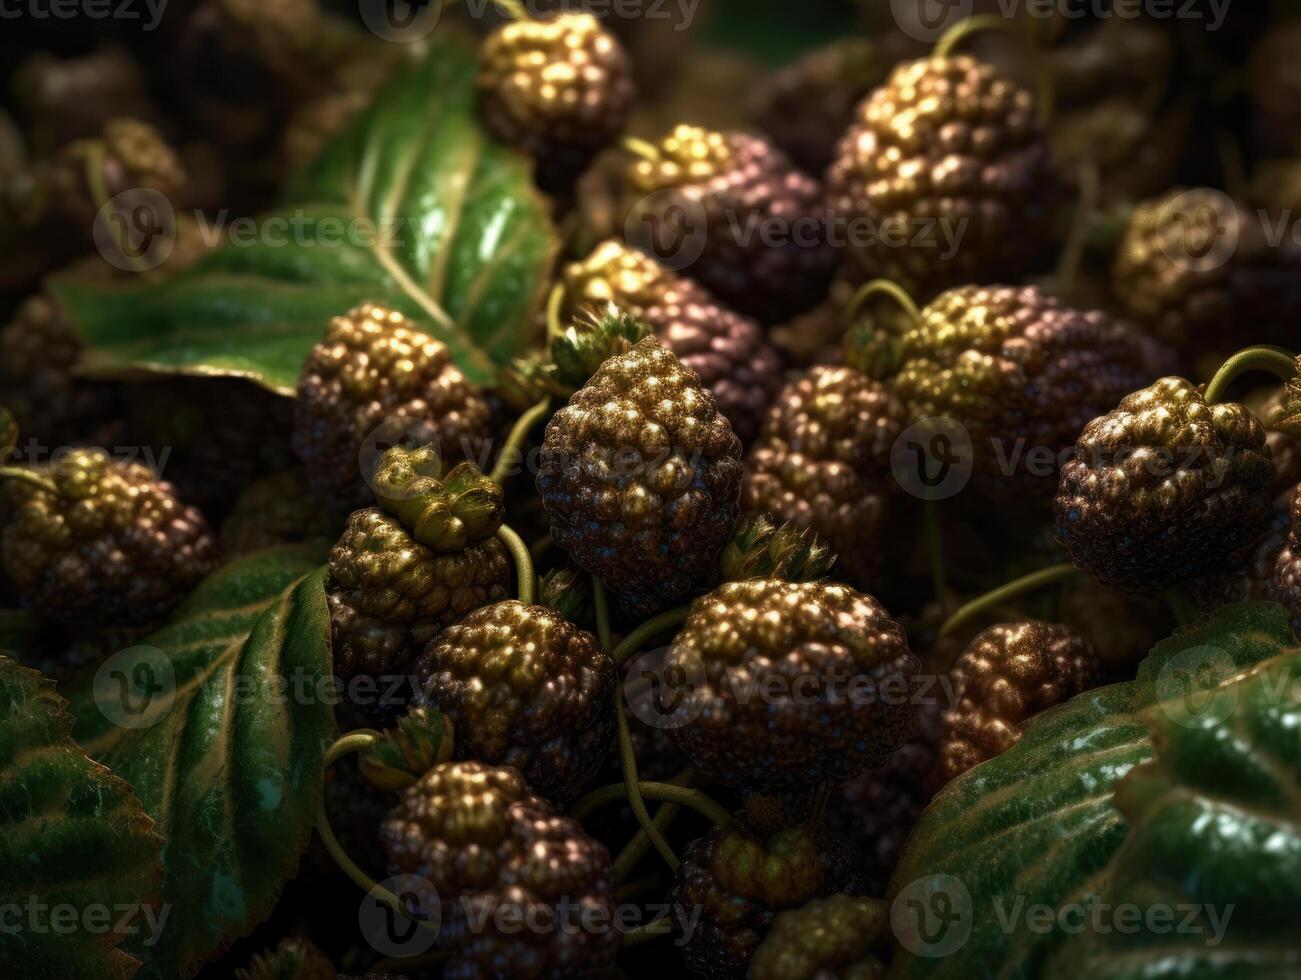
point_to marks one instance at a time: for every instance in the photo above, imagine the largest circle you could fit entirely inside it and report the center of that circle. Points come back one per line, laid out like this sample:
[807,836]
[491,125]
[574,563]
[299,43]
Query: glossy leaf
[1036,827]
[220,721]
[80,863]
[1211,866]
[413,205]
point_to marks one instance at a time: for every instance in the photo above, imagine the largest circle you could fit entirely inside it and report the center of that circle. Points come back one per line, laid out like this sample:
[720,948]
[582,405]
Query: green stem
[994,22]
[95,157]
[1068,268]
[692,799]
[658,624]
[1004,593]
[934,545]
[645,933]
[640,148]
[601,603]
[523,563]
[28,477]
[889,288]
[555,300]
[357,741]
[519,432]
[1273,359]
[636,848]
[628,762]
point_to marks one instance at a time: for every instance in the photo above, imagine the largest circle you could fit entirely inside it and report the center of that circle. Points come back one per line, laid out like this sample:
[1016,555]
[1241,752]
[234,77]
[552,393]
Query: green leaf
[1212,862]
[80,863]
[1036,826]
[413,206]
[220,721]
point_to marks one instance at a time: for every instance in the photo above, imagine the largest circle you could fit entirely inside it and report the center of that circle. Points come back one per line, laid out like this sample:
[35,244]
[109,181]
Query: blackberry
[743,189]
[422,560]
[1015,365]
[375,367]
[945,145]
[489,848]
[640,477]
[822,462]
[837,937]
[128,155]
[523,688]
[1163,489]
[114,546]
[834,670]
[1007,674]
[559,88]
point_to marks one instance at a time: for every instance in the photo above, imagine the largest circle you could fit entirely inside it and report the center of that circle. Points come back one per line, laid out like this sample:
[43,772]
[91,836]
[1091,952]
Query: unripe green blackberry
[838,938]
[791,684]
[375,367]
[487,845]
[1007,674]
[945,145]
[113,546]
[559,88]
[1164,488]
[822,462]
[640,476]
[1016,366]
[763,243]
[422,560]
[523,688]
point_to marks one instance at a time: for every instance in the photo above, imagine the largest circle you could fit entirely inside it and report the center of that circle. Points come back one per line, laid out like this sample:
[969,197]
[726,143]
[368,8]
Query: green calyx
[761,548]
[421,740]
[443,511]
[580,349]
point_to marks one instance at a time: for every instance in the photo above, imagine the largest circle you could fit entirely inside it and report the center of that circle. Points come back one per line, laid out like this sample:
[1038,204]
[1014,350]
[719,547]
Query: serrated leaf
[220,722]
[1036,826]
[414,206]
[1212,861]
[79,858]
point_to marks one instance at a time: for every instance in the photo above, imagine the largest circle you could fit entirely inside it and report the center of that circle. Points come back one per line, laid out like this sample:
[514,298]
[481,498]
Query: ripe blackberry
[1015,365]
[559,88]
[1276,573]
[375,367]
[764,248]
[523,688]
[113,547]
[490,849]
[1164,488]
[641,476]
[822,462]
[422,560]
[1007,674]
[734,359]
[834,670]
[840,936]
[945,145]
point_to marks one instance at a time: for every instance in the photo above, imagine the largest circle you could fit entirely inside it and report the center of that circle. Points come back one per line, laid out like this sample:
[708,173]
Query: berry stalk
[1272,359]
[1012,590]
[510,451]
[523,563]
[637,638]
[958,33]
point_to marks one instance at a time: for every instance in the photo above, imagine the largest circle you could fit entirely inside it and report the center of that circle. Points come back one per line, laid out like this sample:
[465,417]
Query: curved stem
[692,799]
[1068,268]
[640,148]
[601,604]
[27,476]
[357,741]
[657,624]
[890,288]
[1273,359]
[523,563]
[645,933]
[555,300]
[628,762]
[636,848]
[95,157]
[1013,589]
[513,8]
[518,433]
[994,22]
